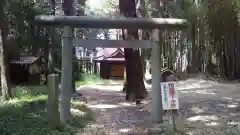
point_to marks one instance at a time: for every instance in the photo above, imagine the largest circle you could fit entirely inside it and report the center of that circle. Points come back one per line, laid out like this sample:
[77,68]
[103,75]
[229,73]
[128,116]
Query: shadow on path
[206,108]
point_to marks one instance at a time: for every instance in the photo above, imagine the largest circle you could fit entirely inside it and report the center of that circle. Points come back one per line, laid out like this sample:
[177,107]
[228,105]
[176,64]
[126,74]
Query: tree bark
[134,85]
[49,47]
[46,56]
[73,12]
[5,80]
[74,70]
[194,50]
[79,12]
[51,56]
[144,34]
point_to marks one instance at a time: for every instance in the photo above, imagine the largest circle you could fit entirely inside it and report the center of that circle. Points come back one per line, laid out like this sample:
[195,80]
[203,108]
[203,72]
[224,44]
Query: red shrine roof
[111,54]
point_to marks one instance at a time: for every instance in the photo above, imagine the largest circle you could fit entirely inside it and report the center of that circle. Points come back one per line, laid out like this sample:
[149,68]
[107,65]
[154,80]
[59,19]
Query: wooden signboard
[170,99]
[117,70]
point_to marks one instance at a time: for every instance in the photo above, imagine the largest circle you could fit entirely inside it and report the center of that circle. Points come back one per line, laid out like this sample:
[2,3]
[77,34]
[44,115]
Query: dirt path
[206,107]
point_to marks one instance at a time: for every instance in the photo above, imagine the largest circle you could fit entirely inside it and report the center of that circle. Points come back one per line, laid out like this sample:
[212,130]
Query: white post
[66,77]
[157,110]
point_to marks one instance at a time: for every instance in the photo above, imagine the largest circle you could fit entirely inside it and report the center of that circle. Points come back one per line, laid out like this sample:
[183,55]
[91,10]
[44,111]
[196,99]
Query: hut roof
[111,54]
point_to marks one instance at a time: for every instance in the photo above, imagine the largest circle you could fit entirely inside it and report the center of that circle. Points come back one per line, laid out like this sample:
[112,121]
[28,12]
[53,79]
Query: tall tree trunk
[171,50]
[144,35]
[134,85]
[194,49]
[49,47]
[79,12]
[202,44]
[51,55]
[74,67]
[5,80]
[46,55]
[237,53]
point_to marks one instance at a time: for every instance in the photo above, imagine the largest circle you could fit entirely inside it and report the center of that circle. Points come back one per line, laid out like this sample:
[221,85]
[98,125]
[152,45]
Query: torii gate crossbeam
[93,43]
[111,23]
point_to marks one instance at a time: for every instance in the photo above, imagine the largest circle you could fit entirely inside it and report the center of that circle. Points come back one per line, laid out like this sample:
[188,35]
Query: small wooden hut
[112,63]
[26,70]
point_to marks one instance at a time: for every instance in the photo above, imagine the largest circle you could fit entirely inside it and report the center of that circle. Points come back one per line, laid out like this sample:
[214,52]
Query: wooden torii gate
[69,22]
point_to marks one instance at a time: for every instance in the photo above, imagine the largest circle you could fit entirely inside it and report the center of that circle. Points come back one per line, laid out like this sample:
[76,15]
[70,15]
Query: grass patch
[20,117]
[88,78]
[30,92]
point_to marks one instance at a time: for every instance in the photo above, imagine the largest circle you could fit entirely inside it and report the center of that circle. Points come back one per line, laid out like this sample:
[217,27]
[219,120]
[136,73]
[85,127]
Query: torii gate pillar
[157,111]
[66,77]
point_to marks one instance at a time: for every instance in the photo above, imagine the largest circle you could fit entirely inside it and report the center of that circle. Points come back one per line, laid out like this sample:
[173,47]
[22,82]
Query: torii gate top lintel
[111,23]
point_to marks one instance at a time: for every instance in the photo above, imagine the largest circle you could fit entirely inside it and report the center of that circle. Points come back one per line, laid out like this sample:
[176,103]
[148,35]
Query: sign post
[170,101]
[169,96]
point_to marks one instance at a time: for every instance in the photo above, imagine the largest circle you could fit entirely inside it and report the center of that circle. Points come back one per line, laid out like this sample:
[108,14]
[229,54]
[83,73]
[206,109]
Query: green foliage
[29,92]
[87,78]
[20,14]
[18,117]
[222,19]
[213,29]
[227,21]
